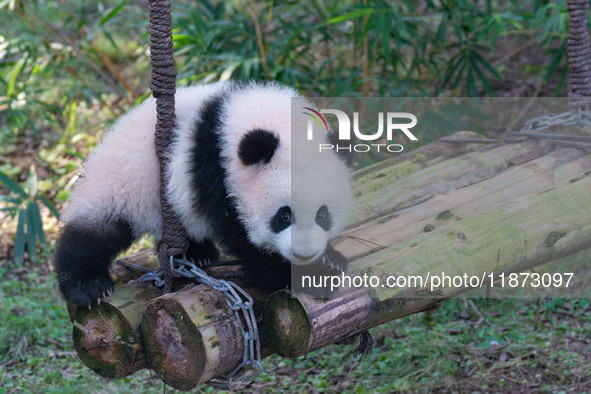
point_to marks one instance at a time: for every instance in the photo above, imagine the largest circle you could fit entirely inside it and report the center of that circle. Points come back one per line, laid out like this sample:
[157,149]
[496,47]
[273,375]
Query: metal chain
[579,116]
[237,299]
[575,117]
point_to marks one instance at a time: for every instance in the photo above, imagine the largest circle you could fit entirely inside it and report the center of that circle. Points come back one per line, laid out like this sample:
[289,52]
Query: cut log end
[107,338]
[167,329]
[287,327]
[192,336]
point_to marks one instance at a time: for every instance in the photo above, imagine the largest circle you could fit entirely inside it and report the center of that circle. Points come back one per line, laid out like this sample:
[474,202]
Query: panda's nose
[300,257]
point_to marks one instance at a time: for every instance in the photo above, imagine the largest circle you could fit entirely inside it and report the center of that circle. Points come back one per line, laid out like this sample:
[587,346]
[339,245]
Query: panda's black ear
[257,146]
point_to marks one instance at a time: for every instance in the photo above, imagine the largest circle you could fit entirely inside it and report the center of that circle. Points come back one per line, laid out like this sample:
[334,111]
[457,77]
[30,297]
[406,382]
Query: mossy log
[512,237]
[192,336]
[384,191]
[555,168]
[126,269]
[107,337]
[427,155]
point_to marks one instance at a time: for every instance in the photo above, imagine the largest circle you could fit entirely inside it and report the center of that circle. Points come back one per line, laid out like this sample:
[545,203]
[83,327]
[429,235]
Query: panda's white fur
[122,175]
[118,190]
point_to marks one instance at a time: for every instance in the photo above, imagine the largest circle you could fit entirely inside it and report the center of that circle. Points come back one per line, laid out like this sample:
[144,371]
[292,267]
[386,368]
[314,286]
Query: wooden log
[512,237]
[420,158]
[553,169]
[387,193]
[107,337]
[295,324]
[192,336]
[97,332]
[132,267]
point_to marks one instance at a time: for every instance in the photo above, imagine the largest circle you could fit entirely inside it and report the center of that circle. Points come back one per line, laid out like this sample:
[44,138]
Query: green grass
[523,345]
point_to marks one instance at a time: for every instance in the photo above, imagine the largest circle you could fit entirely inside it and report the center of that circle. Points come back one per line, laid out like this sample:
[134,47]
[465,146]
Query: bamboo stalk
[261,44]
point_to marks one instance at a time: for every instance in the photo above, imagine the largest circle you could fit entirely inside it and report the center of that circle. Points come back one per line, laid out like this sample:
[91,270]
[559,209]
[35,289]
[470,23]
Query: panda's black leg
[203,252]
[83,256]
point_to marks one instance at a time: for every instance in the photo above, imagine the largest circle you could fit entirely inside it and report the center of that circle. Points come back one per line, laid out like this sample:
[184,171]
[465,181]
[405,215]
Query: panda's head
[289,202]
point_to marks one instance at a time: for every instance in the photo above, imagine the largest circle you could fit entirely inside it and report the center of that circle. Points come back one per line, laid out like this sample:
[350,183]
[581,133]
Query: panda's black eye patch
[281,220]
[323,218]
[257,146]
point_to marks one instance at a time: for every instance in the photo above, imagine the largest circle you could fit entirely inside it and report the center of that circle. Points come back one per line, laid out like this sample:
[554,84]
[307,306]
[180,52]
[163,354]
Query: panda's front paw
[315,280]
[87,292]
[333,260]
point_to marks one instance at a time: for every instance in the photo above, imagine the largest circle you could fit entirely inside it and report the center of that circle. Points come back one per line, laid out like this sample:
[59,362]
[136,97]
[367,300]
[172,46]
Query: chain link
[239,301]
[575,117]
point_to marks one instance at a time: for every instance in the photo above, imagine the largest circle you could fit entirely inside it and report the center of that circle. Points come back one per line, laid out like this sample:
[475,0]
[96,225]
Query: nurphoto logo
[394,122]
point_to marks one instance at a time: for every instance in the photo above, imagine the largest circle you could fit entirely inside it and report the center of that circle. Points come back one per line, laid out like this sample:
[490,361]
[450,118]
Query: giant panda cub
[229,181]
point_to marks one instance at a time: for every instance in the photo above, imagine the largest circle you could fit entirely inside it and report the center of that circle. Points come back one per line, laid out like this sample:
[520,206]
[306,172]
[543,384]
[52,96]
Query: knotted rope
[579,52]
[174,239]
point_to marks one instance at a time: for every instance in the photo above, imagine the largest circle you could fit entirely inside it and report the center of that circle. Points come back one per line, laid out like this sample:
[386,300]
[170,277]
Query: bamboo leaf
[442,31]
[12,200]
[109,36]
[12,211]
[37,221]
[75,154]
[482,78]
[12,81]
[31,244]
[478,57]
[19,242]
[114,11]
[471,87]
[50,206]
[348,16]
[556,60]
[13,186]
[560,83]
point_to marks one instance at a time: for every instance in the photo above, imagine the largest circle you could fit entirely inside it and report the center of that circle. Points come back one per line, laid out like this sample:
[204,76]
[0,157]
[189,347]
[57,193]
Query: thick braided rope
[579,52]
[174,239]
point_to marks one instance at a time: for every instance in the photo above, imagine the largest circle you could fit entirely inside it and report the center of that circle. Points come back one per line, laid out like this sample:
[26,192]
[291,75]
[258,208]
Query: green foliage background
[68,69]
